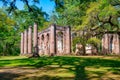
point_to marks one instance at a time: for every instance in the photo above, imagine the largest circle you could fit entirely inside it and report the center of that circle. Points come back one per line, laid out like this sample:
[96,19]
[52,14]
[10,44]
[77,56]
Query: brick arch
[59,42]
[42,43]
[111,44]
[47,43]
[42,37]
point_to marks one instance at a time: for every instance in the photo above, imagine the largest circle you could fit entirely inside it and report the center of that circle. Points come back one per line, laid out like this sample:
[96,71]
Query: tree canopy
[13,21]
[93,17]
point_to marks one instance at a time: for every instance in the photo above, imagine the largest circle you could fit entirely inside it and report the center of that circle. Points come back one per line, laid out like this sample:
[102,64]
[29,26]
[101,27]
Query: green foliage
[11,25]
[24,18]
[72,11]
[74,42]
[95,17]
[89,14]
[94,41]
[11,4]
[61,67]
[101,16]
[7,35]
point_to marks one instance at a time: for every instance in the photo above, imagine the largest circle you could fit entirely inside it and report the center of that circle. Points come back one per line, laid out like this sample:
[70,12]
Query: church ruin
[55,40]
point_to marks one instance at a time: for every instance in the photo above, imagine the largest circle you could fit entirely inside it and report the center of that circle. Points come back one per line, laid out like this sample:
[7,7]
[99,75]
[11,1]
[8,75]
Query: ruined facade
[111,43]
[55,40]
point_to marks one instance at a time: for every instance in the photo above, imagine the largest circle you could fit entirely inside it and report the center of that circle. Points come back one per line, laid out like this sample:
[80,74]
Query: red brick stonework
[111,44]
[55,40]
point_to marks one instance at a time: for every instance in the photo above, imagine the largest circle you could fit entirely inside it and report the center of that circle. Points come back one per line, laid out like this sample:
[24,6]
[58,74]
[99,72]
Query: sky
[47,5]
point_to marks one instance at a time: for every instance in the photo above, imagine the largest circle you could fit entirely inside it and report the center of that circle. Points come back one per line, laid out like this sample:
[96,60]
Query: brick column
[103,44]
[109,43]
[64,42]
[22,43]
[52,40]
[25,42]
[30,40]
[117,44]
[114,43]
[39,44]
[45,43]
[106,43]
[68,40]
[35,39]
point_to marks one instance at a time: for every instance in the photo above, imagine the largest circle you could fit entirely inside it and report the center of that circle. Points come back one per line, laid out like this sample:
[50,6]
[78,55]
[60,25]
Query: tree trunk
[84,51]
[35,54]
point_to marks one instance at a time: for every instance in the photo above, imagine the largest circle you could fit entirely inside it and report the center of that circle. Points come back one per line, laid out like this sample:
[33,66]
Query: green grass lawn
[60,68]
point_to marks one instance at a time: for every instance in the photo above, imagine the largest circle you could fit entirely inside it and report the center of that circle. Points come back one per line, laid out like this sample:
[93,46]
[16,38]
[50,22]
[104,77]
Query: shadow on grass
[76,62]
[8,76]
[80,73]
[46,77]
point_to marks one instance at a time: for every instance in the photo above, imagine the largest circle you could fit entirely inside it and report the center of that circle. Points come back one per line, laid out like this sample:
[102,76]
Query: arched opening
[42,44]
[111,43]
[39,44]
[47,44]
[59,42]
[42,38]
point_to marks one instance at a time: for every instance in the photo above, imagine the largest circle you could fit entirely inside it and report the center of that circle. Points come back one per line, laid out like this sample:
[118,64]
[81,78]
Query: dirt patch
[16,73]
[24,73]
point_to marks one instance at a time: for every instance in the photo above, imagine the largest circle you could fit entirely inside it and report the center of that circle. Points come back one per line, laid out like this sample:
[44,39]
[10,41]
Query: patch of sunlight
[51,71]
[101,73]
[53,65]
[65,74]
[114,57]
[11,57]
[67,66]
[111,57]
[61,72]
[97,68]
[15,64]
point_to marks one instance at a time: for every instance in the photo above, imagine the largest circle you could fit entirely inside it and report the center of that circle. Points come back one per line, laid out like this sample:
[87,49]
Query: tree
[69,12]
[16,22]
[24,18]
[11,4]
[101,17]
[94,17]
[7,34]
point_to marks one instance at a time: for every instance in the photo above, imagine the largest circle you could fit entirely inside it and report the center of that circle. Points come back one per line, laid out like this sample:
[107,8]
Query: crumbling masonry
[55,40]
[111,43]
